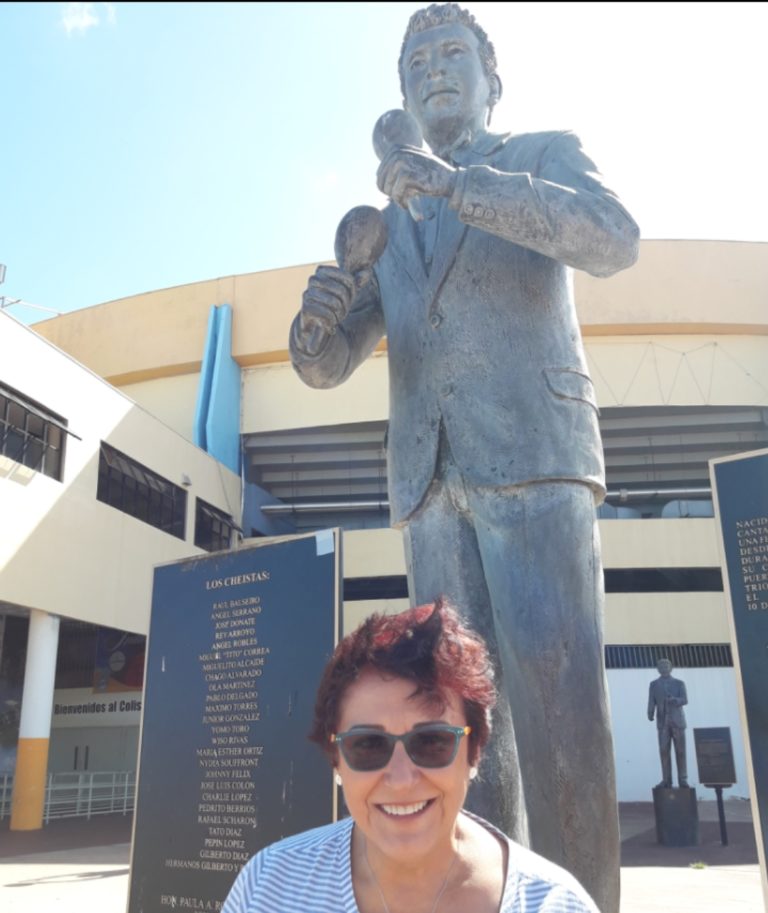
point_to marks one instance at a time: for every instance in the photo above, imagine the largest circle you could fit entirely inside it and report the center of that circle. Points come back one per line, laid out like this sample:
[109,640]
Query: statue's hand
[325,303]
[650,717]
[406,172]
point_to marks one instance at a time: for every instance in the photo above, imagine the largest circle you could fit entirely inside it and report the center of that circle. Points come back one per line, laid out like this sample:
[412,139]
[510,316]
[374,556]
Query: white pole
[35,724]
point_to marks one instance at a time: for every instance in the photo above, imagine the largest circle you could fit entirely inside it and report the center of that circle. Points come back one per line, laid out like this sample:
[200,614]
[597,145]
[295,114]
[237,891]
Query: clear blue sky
[147,145]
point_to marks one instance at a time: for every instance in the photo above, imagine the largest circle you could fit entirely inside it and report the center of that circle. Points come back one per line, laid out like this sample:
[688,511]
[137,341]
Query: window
[136,490]
[30,434]
[213,528]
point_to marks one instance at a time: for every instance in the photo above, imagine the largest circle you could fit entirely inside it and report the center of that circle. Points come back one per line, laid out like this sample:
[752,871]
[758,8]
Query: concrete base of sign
[677,816]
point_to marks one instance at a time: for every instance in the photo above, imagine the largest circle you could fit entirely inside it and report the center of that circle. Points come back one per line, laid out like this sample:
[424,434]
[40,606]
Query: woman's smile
[406,812]
[402,811]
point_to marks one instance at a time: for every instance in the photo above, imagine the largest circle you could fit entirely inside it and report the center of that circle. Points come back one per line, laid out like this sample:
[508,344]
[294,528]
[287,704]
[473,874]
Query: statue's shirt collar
[474,150]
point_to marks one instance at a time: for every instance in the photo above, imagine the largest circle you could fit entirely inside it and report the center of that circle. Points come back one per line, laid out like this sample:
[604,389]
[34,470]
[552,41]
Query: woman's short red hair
[428,645]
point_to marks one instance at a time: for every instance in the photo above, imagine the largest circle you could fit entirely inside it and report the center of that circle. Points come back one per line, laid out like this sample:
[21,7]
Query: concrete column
[35,724]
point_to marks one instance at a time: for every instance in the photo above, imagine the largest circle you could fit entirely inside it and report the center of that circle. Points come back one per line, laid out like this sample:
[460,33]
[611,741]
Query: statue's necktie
[427,228]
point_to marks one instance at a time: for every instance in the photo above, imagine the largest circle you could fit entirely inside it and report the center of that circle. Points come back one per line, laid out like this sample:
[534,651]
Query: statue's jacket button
[435,320]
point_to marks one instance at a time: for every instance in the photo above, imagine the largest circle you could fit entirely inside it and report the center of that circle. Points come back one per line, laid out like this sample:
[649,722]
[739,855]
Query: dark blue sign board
[237,644]
[740,488]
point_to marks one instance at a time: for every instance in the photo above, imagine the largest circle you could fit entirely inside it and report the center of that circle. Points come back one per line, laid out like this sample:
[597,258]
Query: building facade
[194,385]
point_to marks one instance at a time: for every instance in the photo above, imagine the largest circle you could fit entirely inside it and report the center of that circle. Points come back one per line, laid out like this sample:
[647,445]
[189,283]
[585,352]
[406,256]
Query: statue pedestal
[677,816]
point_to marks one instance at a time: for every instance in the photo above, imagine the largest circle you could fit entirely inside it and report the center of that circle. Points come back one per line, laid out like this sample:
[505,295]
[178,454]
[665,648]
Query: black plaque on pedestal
[714,756]
[677,816]
[237,644]
[740,488]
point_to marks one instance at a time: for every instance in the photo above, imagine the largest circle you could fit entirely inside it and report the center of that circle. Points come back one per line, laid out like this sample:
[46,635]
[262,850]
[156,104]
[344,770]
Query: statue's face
[446,88]
[665,667]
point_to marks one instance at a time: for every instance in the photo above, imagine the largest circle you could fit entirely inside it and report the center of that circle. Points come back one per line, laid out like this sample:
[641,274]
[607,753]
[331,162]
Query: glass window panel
[33,453]
[52,463]
[26,434]
[35,426]
[53,436]
[213,528]
[14,444]
[15,414]
[144,494]
[142,502]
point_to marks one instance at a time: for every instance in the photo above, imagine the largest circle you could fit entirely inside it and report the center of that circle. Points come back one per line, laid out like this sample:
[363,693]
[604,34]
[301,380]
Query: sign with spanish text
[74,707]
[740,489]
[237,644]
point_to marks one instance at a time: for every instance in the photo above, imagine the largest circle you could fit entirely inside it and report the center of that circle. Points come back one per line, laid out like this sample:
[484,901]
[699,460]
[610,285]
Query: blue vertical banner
[237,644]
[740,489]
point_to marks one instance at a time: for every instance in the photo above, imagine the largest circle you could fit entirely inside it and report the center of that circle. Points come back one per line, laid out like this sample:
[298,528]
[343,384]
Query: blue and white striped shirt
[312,873]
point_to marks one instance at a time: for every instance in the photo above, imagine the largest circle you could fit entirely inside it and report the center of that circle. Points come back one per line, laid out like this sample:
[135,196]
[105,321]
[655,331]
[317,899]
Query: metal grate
[682,656]
[653,455]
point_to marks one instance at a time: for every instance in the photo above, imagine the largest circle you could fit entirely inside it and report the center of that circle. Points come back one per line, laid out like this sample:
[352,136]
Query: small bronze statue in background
[666,698]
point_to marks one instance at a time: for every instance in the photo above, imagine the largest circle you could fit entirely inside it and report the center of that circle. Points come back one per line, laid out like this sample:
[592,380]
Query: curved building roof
[676,287]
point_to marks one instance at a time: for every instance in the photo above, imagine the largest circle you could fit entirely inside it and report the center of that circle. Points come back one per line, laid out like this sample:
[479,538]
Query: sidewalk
[77,865]
[708,878]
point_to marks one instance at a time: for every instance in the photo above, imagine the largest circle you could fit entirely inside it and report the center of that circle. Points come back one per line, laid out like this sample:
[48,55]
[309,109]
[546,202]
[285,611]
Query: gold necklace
[440,893]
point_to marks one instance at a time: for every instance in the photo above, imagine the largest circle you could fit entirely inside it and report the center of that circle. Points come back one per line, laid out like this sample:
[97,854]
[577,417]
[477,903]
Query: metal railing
[6,791]
[80,794]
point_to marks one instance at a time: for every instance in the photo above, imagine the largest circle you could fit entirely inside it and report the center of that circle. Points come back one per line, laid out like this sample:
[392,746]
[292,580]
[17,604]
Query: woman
[403,714]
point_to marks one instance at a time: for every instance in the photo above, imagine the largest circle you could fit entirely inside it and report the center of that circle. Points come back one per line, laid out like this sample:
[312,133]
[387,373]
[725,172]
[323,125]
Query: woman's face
[406,812]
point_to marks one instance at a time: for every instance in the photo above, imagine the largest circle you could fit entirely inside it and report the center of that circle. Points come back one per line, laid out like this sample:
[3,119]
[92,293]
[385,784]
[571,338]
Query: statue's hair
[440,14]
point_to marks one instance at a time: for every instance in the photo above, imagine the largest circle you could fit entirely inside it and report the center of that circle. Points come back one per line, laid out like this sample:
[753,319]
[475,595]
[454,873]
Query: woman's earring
[472,773]
[337,778]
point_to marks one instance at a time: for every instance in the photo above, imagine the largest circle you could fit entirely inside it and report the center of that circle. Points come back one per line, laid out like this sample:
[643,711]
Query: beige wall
[631,371]
[676,370]
[167,328]
[680,287]
[274,398]
[688,325]
[355,613]
[630,618]
[61,550]
[643,618]
[677,542]
[172,400]
[373,553]
[666,618]
[676,287]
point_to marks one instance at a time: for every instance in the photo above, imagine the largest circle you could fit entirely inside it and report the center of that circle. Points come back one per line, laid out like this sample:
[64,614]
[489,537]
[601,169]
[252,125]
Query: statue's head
[664,666]
[444,47]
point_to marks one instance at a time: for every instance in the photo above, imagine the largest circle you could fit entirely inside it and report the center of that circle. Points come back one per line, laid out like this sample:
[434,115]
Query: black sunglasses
[427,746]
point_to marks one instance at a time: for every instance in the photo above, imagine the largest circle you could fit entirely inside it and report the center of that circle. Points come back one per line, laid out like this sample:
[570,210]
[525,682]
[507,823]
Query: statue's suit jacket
[666,715]
[486,341]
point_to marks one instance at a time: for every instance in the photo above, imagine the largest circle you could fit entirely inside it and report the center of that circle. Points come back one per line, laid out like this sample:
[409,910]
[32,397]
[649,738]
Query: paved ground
[75,866]
[708,878]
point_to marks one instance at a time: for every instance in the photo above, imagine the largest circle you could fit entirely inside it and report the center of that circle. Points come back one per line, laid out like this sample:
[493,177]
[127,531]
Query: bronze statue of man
[494,456]
[666,698]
